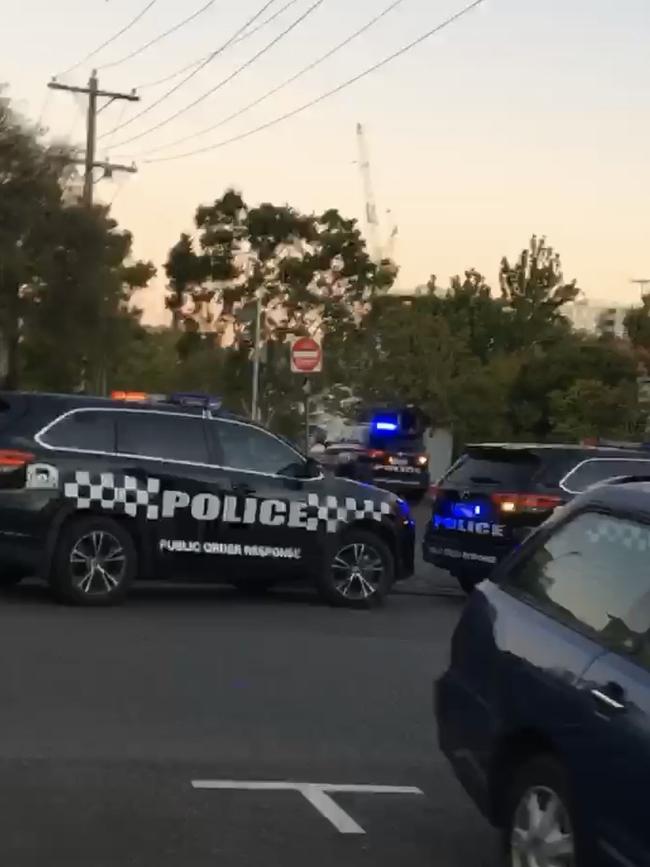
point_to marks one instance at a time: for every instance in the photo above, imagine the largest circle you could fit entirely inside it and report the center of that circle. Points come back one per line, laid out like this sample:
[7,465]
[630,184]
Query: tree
[312,273]
[590,408]
[31,178]
[637,325]
[534,291]
[81,322]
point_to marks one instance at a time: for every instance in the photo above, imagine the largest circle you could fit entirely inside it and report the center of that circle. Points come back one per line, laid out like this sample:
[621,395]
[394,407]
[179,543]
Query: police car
[96,493]
[387,450]
[497,493]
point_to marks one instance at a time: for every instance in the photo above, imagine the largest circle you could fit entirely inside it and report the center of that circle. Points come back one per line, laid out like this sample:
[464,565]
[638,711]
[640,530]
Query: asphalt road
[107,716]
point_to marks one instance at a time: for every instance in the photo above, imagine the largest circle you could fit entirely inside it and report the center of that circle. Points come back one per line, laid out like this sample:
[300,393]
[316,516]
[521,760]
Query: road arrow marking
[318,795]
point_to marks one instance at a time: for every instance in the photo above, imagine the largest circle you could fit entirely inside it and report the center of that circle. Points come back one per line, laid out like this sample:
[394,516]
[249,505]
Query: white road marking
[316,793]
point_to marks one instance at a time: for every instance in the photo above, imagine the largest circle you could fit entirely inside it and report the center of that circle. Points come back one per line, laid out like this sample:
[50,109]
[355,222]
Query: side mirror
[313,469]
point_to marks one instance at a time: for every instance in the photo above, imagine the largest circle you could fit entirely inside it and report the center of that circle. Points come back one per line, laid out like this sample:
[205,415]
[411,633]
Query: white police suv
[96,493]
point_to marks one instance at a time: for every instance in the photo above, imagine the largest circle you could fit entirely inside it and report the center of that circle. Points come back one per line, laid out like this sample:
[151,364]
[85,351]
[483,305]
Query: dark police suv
[496,493]
[388,450]
[544,711]
[95,493]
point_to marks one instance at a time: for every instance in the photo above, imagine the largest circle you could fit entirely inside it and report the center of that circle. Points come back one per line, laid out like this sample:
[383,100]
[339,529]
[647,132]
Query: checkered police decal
[332,513]
[124,494]
[631,536]
[116,492]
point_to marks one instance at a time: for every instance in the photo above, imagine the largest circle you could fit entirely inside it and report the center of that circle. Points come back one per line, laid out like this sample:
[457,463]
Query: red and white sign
[306,355]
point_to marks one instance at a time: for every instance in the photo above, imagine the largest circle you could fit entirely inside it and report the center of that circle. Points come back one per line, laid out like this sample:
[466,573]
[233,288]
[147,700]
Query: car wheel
[540,830]
[95,562]
[467,582]
[360,573]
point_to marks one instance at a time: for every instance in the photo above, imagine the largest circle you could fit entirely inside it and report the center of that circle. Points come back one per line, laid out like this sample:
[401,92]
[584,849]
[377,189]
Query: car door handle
[604,698]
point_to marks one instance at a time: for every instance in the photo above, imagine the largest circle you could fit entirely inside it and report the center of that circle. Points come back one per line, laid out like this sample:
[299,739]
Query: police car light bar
[385,425]
[205,401]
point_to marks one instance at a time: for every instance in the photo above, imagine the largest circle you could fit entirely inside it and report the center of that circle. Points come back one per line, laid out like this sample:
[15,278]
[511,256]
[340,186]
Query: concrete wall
[439,444]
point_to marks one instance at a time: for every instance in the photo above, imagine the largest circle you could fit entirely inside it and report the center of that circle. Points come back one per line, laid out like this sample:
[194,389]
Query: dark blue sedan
[544,712]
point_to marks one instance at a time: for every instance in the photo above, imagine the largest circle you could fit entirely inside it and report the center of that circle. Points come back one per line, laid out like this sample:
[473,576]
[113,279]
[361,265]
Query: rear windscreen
[11,407]
[499,467]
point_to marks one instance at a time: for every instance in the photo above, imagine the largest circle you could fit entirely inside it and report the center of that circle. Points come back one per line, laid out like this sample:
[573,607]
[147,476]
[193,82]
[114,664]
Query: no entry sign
[306,355]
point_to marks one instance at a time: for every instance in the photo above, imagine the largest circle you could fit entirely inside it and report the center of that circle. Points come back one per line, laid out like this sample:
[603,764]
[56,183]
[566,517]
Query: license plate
[400,462]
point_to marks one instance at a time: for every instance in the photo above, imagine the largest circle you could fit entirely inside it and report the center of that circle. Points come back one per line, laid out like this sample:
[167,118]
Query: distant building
[596,317]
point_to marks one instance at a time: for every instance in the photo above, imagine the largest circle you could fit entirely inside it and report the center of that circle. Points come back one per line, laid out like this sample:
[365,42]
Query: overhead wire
[228,78]
[335,90]
[198,69]
[160,37]
[332,51]
[245,35]
[111,39]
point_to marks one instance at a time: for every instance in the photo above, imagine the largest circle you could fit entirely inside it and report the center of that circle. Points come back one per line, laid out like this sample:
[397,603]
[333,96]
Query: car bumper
[463,553]
[415,483]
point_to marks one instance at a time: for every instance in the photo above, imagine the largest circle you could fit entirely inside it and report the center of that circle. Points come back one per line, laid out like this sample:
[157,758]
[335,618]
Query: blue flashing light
[385,423]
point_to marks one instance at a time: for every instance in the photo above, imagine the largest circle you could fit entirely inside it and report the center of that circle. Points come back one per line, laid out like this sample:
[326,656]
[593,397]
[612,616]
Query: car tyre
[540,825]
[360,572]
[467,582]
[95,563]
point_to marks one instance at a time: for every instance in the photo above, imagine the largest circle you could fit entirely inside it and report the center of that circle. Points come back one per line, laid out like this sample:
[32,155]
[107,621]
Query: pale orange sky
[522,117]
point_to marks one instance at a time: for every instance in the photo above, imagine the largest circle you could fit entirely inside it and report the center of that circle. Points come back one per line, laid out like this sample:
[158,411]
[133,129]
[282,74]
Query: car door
[265,521]
[618,685]
[166,455]
[588,579]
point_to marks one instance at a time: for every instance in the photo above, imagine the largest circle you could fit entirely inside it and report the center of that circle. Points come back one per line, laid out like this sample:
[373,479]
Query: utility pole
[89,162]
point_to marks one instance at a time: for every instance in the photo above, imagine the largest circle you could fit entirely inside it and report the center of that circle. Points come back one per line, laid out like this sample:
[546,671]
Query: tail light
[510,503]
[376,454]
[11,459]
[422,460]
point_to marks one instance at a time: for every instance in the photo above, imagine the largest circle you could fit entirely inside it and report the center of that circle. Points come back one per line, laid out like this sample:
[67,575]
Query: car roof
[550,448]
[628,494]
[58,403]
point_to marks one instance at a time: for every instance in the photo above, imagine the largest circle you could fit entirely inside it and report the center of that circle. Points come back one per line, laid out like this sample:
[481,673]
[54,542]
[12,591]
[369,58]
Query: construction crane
[378,249]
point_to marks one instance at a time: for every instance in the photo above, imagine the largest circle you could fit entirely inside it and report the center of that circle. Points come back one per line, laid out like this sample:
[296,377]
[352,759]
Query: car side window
[84,430]
[596,470]
[592,574]
[163,436]
[244,447]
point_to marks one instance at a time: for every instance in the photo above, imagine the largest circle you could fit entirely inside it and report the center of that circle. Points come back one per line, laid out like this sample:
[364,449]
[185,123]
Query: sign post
[306,358]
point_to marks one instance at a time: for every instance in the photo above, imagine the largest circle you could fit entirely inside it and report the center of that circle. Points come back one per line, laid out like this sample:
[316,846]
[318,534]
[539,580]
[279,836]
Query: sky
[522,117]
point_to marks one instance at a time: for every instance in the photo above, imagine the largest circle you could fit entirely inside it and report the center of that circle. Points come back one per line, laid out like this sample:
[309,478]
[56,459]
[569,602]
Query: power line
[286,82]
[228,78]
[194,72]
[111,39]
[160,36]
[329,93]
[194,63]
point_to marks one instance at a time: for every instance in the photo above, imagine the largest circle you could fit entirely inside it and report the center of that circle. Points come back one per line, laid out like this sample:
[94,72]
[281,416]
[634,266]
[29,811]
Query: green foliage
[590,408]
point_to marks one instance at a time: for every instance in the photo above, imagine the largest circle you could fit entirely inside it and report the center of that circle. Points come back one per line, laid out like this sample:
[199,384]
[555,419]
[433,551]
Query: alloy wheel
[97,563]
[542,835]
[358,570]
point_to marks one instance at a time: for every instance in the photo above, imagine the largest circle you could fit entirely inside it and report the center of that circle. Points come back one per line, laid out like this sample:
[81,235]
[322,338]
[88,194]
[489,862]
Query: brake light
[11,459]
[375,454]
[510,503]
